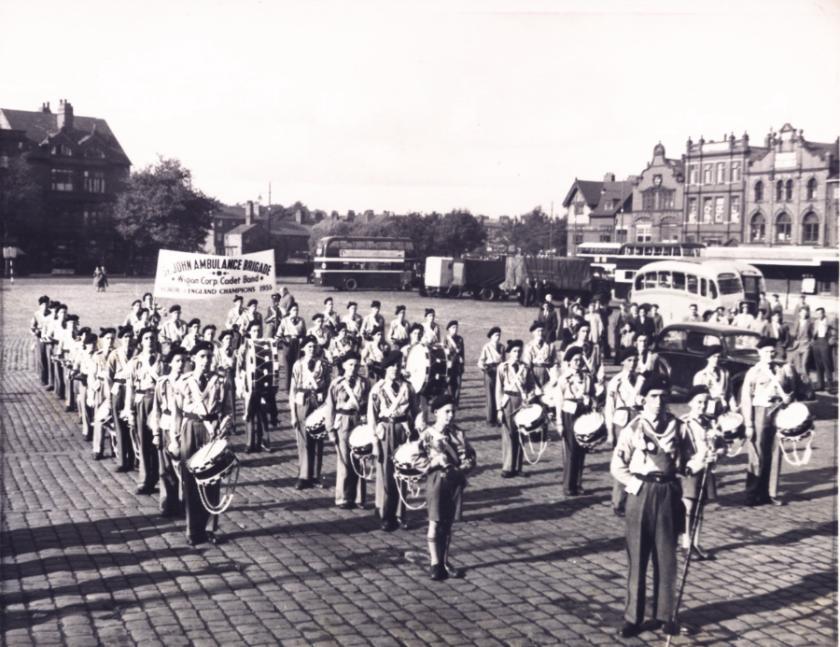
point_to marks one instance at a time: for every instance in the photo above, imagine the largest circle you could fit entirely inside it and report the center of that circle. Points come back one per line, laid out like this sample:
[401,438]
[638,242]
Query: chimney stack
[609,177]
[45,108]
[249,212]
[65,115]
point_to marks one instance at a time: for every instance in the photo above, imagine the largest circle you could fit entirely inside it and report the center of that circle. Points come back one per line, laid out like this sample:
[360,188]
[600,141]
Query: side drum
[426,367]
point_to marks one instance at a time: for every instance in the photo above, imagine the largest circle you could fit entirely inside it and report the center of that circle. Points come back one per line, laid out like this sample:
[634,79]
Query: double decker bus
[619,262]
[359,262]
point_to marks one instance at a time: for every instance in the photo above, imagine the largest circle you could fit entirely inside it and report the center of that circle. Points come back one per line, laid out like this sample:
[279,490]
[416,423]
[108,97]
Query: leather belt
[208,418]
[512,393]
[347,412]
[540,365]
[656,477]
[395,420]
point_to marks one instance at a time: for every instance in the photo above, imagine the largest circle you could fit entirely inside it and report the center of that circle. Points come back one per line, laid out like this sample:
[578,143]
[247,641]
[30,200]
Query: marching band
[165,395]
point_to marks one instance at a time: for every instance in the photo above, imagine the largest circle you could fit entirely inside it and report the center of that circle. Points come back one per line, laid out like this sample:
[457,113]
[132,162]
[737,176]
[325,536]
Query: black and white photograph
[469,322]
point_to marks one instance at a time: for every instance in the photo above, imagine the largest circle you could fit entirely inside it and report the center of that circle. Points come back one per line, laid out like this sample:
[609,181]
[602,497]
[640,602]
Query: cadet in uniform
[165,421]
[192,335]
[398,329]
[577,397]
[142,373]
[450,458]
[101,401]
[308,383]
[373,321]
[538,354]
[619,409]
[515,387]
[353,323]
[117,363]
[647,458]
[392,409]
[292,330]
[760,393]
[224,363]
[453,346]
[39,331]
[331,318]
[373,355]
[273,316]
[492,354]
[431,331]
[716,380]
[340,345]
[173,329]
[347,404]
[322,335]
[255,392]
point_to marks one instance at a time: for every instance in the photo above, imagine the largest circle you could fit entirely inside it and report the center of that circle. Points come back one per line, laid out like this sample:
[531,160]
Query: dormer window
[62,150]
[95,153]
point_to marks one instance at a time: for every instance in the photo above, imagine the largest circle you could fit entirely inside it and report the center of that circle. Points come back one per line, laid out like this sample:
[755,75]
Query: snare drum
[410,461]
[731,426]
[212,462]
[316,423]
[794,420]
[621,417]
[590,430]
[426,367]
[530,418]
[361,440]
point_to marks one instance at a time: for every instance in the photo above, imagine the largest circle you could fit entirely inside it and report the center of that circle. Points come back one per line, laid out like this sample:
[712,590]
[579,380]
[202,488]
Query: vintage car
[681,350]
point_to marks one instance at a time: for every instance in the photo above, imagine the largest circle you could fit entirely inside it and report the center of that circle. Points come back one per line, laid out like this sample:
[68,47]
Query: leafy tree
[535,232]
[160,208]
[458,232]
[21,203]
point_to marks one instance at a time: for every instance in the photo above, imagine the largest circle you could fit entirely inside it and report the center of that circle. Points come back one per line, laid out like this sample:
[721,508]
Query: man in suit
[824,338]
[548,318]
[800,348]
[779,333]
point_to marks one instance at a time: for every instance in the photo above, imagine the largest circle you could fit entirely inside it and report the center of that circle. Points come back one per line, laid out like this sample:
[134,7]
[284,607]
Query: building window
[669,231]
[578,208]
[788,190]
[643,232]
[92,217]
[759,191]
[95,153]
[783,228]
[811,228]
[707,174]
[648,200]
[719,205]
[707,210]
[94,181]
[692,210]
[578,239]
[61,179]
[735,175]
[606,234]
[721,173]
[780,191]
[62,149]
[666,199]
[735,208]
[811,189]
[758,229]
[693,176]
[621,235]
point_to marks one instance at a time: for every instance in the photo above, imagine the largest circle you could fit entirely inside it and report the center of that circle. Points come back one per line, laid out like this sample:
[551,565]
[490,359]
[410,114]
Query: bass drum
[259,363]
[426,367]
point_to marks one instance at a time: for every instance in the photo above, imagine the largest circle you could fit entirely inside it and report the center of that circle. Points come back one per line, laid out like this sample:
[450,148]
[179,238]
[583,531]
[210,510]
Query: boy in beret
[398,329]
[492,354]
[116,365]
[538,354]
[515,387]
[165,421]
[173,329]
[307,388]
[372,321]
[453,347]
[431,331]
[575,397]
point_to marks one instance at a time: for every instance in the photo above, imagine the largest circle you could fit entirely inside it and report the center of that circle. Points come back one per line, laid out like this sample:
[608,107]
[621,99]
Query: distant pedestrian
[100,278]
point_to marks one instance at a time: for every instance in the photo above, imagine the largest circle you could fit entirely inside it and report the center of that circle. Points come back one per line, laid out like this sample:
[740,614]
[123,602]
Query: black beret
[392,358]
[493,331]
[399,309]
[194,322]
[347,356]
[441,401]
[147,330]
[326,301]
[253,302]
[764,342]
[318,315]
[454,322]
[697,389]
[173,352]
[514,343]
[537,325]
[175,308]
[309,339]
[43,299]
[275,296]
[654,382]
[125,331]
[225,333]
[70,317]
[571,352]
[107,331]
[428,311]
[629,353]
[352,303]
[415,326]
[89,338]
[201,345]
[375,304]
[84,331]
[208,327]
[238,297]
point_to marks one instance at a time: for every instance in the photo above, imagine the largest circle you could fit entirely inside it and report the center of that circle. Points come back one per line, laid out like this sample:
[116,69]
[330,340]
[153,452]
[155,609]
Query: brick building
[791,196]
[243,228]
[656,214]
[591,209]
[79,168]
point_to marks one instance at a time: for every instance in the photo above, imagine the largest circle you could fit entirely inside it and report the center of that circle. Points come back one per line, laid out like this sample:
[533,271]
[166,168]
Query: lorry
[447,276]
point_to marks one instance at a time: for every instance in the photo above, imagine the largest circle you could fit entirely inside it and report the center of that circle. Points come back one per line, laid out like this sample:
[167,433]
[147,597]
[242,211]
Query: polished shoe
[302,484]
[49,388]
[671,628]
[143,490]
[97,456]
[453,571]
[776,502]
[629,630]
[69,409]
[700,555]
[403,523]
[437,572]
[212,538]
[121,469]
[506,475]
[318,483]
[618,512]
[346,506]
[265,448]
[389,525]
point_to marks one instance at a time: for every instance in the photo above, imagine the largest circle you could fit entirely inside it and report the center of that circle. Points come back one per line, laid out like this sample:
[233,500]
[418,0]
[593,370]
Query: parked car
[681,348]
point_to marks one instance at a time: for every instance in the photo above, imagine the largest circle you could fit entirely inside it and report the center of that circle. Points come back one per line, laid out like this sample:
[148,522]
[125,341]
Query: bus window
[713,291]
[639,285]
[679,281]
[648,251]
[657,251]
[664,279]
[650,280]
[677,251]
[729,283]
[702,287]
[691,283]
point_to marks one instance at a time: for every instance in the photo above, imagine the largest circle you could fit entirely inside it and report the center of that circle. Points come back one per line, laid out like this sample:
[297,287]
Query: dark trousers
[619,495]
[43,362]
[194,436]
[125,450]
[349,487]
[764,458]
[490,395]
[388,489]
[511,447]
[310,451]
[58,379]
[823,364]
[453,384]
[170,503]
[575,456]
[149,468]
[256,422]
[654,520]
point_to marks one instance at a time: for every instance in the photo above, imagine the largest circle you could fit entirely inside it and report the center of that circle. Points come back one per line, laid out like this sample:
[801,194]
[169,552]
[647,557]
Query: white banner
[188,275]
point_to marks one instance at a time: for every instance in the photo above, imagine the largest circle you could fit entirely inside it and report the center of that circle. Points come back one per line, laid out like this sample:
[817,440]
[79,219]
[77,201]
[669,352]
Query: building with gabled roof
[79,166]
[591,209]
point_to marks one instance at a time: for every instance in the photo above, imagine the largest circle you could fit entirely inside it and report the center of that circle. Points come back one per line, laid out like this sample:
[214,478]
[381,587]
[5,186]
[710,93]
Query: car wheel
[350,284]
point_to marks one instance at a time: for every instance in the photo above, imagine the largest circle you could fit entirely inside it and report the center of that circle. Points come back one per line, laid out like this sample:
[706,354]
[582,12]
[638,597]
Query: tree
[160,208]
[458,232]
[535,232]
[21,203]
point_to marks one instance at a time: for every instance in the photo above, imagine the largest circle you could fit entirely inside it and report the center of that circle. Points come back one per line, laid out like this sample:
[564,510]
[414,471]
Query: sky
[493,106]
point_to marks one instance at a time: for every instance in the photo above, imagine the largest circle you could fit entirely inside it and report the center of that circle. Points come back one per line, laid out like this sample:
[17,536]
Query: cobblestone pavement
[85,561]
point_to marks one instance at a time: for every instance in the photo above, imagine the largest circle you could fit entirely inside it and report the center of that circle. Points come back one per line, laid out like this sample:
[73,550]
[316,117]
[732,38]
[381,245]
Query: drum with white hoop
[411,464]
[211,464]
[259,365]
[530,418]
[316,423]
[426,368]
[731,425]
[622,417]
[590,430]
[362,459]
[794,420]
